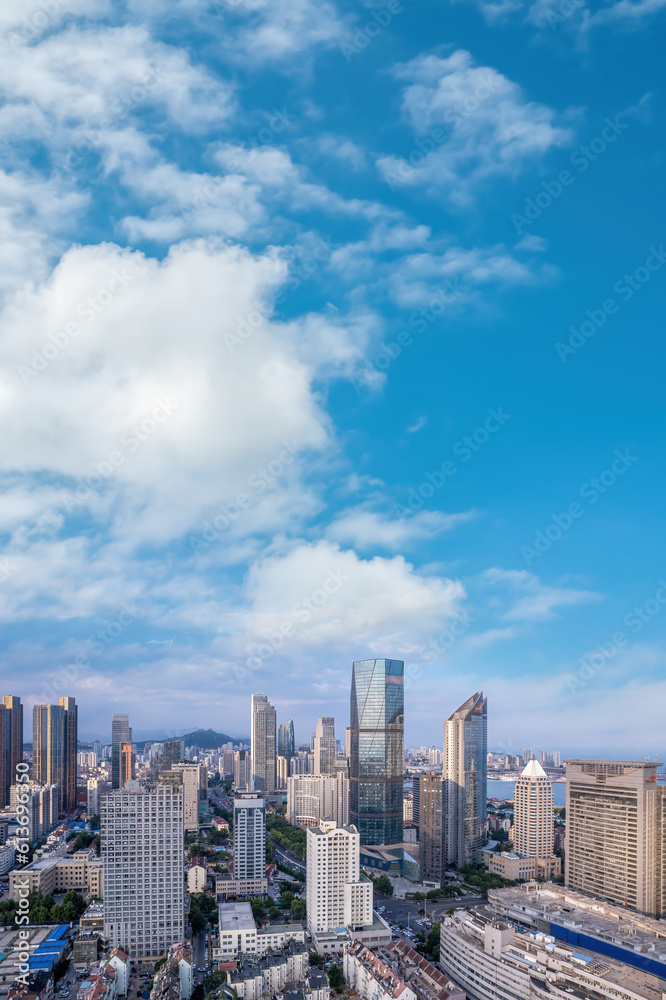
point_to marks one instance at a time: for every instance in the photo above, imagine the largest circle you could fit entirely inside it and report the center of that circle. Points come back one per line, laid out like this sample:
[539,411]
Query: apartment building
[313,798]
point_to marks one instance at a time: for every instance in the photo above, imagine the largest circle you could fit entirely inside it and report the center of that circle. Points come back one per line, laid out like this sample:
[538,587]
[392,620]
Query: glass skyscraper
[465,774]
[376,763]
[286,740]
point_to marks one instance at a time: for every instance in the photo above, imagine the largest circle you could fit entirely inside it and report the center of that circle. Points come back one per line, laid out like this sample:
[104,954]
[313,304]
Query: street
[199,954]
[286,857]
[401,911]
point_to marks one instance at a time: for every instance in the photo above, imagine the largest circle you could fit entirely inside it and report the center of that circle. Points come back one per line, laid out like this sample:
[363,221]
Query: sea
[504,790]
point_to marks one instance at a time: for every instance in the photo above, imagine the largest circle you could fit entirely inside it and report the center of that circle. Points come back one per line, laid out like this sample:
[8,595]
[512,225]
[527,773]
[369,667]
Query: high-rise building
[615,833]
[286,740]
[43,804]
[127,764]
[11,744]
[336,894]
[533,813]
[97,748]
[302,762]
[465,773]
[164,755]
[313,798]
[528,755]
[282,772]
[96,788]
[416,796]
[549,758]
[120,733]
[264,744]
[324,745]
[242,770]
[377,750]
[191,773]
[431,827]
[249,838]
[54,743]
[142,849]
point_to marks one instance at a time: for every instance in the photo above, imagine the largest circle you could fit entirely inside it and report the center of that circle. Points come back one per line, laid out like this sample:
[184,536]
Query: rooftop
[236,916]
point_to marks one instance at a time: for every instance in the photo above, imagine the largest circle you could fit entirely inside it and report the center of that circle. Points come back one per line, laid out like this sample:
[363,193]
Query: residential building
[242,770]
[192,780]
[407,811]
[239,935]
[121,732]
[302,762]
[371,978]
[284,973]
[416,798]
[250,840]
[533,813]
[434,757]
[163,756]
[528,755]
[286,740]
[312,798]
[142,837]
[339,899]
[544,942]
[42,802]
[7,858]
[229,887]
[324,745]
[197,875]
[431,827]
[118,960]
[264,745]
[81,872]
[175,979]
[282,773]
[11,744]
[96,788]
[88,947]
[395,970]
[127,763]
[37,985]
[550,758]
[54,742]
[615,833]
[376,750]
[226,764]
[465,782]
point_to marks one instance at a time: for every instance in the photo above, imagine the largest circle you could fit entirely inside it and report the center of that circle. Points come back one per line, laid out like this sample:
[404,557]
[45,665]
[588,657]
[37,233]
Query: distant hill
[208,739]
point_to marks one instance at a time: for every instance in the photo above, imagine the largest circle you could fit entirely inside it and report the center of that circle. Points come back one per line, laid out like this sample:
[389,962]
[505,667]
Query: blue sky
[332,330]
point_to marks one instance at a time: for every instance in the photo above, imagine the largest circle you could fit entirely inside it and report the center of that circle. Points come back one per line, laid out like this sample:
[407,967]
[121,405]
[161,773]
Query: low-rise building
[81,872]
[7,858]
[516,868]
[87,949]
[382,973]
[175,980]
[230,887]
[38,986]
[239,935]
[101,984]
[220,824]
[366,973]
[197,875]
[269,974]
[118,960]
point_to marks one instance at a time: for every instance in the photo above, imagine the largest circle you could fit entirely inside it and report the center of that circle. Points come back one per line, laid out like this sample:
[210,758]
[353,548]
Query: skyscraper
[127,766]
[143,872]
[324,745]
[54,742]
[242,770]
[616,831]
[250,838]
[376,750]
[71,731]
[286,740]
[533,813]
[431,832]
[465,774]
[337,896]
[11,743]
[264,744]
[120,733]
[164,755]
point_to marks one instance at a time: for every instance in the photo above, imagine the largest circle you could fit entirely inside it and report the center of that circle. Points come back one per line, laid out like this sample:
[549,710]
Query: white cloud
[275,30]
[368,529]
[535,601]
[472,123]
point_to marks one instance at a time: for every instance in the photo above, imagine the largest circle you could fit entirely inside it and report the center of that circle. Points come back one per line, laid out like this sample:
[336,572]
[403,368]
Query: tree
[298,908]
[292,838]
[432,943]
[286,898]
[315,958]
[258,908]
[336,977]
[384,885]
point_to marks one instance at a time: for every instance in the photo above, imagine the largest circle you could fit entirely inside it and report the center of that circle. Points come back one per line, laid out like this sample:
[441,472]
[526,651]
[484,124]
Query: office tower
[533,813]
[431,827]
[528,755]
[302,762]
[312,798]
[324,745]
[54,742]
[164,755]
[264,747]
[282,772]
[416,796]
[286,740]
[549,758]
[71,731]
[377,750]
[11,743]
[615,833]
[465,773]
[97,748]
[347,742]
[249,836]
[127,765]
[43,804]
[142,853]
[242,770]
[191,777]
[336,895]
[226,764]
[434,757]
[120,733]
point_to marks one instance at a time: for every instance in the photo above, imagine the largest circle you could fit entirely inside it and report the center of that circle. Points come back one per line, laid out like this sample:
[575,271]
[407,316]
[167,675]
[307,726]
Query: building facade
[465,774]
[242,770]
[54,745]
[431,827]
[43,803]
[11,744]
[163,756]
[286,740]
[336,894]
[250,839]
[313,798]
[533,813]
[264,744]
[616,832]
[121,732]
[142,848]
[324,745]
[376,740]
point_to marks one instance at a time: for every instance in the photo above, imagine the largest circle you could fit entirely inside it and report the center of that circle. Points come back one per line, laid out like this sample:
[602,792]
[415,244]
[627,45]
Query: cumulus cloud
[471,123]
[366,529]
